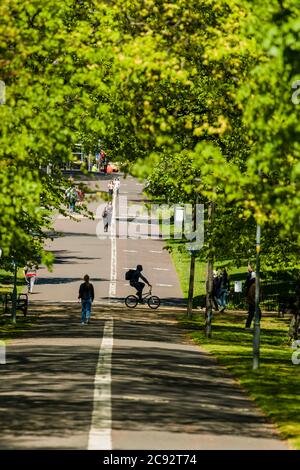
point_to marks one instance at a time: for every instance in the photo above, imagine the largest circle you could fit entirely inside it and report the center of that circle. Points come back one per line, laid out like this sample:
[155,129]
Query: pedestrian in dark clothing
[250,297]
[223,290]
[86,295]
[134,281]
[110,188]
[216,286]
[249,280]
[105,164]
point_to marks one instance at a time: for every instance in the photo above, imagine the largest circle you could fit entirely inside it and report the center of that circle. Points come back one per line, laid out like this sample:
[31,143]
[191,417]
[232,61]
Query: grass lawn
[10,330]
[182,260]
[6,281]
[275,385]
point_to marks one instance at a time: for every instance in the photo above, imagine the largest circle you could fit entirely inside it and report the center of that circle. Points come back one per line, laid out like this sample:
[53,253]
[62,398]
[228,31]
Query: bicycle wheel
[154,302]
[131,301]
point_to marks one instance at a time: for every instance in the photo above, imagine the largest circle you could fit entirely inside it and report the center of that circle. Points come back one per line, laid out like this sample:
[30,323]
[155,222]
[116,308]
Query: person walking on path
[107,215]
[80,195]
[111,188]
[248,281]
[250,297]
[223,290]
[117,185]
[30,273]
[86,295]
[72,197]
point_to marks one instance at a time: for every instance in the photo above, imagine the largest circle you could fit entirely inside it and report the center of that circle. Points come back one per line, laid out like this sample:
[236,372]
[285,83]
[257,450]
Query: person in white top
[30,273]
[111,187]
[117,185]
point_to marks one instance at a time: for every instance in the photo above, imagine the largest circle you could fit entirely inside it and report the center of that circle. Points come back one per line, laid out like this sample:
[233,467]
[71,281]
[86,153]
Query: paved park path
[84,248]
[130,379]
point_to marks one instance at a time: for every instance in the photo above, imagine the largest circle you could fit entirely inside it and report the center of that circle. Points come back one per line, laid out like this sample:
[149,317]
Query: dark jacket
[216,285]
[249,281]
[86,291]
[136,276]
[224,281]
[251,294]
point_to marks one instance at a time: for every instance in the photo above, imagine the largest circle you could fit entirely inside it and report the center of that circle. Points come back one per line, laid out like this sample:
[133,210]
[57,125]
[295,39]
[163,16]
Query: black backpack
[129,274]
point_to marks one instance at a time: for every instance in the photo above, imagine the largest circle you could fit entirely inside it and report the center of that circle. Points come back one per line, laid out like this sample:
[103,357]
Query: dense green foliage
[208,93]
[182,88]
[53,69]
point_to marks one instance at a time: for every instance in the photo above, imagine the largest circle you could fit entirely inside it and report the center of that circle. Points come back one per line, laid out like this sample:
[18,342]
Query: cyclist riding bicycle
[134,281]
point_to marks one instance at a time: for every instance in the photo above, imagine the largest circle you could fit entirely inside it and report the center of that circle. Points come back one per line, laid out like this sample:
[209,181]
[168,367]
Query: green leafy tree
[54,66]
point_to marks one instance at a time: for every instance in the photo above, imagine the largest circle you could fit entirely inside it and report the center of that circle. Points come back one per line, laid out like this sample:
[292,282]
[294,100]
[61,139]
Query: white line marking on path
[161,269]
[113,259]
[164,285]
[130,251]
[100,432]
[155,251]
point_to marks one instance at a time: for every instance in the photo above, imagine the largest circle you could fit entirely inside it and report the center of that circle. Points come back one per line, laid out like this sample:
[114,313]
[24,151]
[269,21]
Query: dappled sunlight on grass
[6,281]
[9,330]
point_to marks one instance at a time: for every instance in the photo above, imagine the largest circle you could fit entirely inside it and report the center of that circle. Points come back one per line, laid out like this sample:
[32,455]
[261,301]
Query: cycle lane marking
[100,435]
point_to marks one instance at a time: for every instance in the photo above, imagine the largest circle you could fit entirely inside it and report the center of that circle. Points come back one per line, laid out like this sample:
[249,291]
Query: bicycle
[153,301]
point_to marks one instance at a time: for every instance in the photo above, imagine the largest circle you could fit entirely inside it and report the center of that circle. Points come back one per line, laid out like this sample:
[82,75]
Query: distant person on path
[30,273]
[105,164]
[86,295]
[72,197]
[250,297]
[134,281]
[107,216]
[111,188]
[223,290]
[117,185]
[80,196]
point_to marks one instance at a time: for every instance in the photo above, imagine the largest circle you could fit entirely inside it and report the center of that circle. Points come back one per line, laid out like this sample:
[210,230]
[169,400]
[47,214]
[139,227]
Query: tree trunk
[191,287]
[209,274]
[14,296]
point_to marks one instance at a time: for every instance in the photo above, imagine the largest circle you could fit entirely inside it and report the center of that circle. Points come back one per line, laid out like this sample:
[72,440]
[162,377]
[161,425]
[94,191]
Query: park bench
[22,302]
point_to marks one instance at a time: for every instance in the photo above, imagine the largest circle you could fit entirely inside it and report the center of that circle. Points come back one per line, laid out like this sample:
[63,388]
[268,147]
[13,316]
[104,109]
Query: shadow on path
[159,382]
